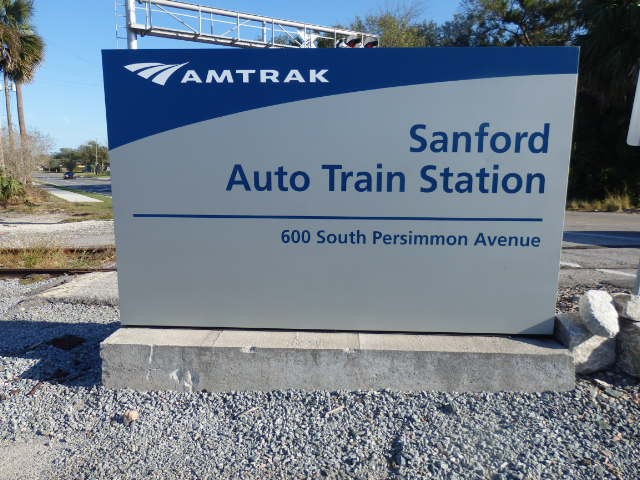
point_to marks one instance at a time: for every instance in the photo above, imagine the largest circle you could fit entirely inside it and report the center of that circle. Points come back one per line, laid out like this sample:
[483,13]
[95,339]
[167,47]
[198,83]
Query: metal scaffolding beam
[201,23]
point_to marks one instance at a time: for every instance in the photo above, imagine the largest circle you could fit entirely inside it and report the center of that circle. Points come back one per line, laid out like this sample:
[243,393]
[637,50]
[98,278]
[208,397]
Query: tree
[610,48]
[89,154]
[480,23]
[18,164]
[8,42]
[431,32]
[22,56]
[29,58]
[94,155]
[397,27]
[518,22]
[11,13]
[53,164]
[69,157]
[462,31]
[602,163]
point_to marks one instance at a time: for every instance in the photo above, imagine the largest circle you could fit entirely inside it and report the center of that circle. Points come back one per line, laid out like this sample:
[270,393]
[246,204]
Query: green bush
[11,190]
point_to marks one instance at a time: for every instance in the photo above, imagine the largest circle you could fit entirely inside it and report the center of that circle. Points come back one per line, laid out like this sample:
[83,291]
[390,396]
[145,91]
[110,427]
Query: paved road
[600,247]
[89,184]
[602,229]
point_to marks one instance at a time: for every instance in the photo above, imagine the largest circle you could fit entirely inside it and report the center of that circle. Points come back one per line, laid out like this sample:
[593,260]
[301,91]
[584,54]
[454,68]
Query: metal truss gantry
[200,23]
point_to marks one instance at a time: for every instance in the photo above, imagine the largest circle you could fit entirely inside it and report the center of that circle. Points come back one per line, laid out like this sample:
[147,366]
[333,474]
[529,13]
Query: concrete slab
[98,288]
[68,196]
[244,360]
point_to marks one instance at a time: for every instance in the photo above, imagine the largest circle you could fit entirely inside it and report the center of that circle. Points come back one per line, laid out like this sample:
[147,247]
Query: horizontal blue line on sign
[333,217]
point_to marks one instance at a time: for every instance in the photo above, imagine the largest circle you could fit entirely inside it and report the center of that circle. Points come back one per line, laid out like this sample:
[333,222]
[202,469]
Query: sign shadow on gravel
[66,353]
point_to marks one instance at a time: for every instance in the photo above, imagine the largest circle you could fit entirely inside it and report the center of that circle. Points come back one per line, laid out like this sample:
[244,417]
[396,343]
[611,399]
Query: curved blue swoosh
[137,108]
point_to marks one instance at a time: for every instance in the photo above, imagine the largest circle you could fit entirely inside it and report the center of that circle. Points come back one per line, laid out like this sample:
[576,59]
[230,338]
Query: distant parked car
[68,176]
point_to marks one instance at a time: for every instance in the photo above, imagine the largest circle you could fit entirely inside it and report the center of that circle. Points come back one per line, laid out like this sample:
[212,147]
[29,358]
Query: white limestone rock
[628,306]
[598,313]
[591,353]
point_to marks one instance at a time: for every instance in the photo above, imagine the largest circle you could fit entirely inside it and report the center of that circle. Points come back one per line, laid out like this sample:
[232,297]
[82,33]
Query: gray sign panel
[386,189]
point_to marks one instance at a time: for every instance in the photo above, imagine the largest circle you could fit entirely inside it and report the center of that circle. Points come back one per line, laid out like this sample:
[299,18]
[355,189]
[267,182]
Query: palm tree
[29,57]
[8,42]
[22,53]
[601,161]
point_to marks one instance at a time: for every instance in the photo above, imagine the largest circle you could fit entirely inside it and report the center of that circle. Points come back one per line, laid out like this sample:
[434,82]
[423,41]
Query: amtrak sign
[159,73]
[368,189]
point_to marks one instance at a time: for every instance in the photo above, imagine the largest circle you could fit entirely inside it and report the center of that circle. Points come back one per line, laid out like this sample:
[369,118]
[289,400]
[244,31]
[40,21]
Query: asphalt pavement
[600,247]
[603,229]
[101,185]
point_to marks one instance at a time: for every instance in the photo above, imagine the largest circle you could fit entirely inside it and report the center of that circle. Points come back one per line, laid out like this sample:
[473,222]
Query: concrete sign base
[236,360]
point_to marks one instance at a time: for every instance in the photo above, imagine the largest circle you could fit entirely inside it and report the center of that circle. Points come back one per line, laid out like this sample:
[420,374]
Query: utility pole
[132,36]
[633,139]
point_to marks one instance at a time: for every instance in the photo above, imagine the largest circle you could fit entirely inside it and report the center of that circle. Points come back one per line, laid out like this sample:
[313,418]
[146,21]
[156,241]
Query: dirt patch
[27,460]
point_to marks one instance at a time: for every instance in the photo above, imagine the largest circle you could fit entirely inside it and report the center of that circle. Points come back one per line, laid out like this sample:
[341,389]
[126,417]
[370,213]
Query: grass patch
[87,211]
[54,257]
[618,202]
[40,201]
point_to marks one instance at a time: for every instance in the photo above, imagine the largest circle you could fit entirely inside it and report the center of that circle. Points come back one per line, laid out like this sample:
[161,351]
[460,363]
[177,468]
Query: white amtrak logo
[161,72]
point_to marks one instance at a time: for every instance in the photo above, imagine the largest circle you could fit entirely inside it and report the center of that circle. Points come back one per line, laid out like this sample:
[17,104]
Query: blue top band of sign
[145,93]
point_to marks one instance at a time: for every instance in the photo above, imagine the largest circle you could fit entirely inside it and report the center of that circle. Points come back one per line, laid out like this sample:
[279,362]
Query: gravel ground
[56,422]
[41,232]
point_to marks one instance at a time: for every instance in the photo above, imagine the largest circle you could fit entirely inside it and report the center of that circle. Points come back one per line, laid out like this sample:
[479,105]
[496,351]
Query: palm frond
[29,56]
[21,48]
[16,12]
[9,45]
